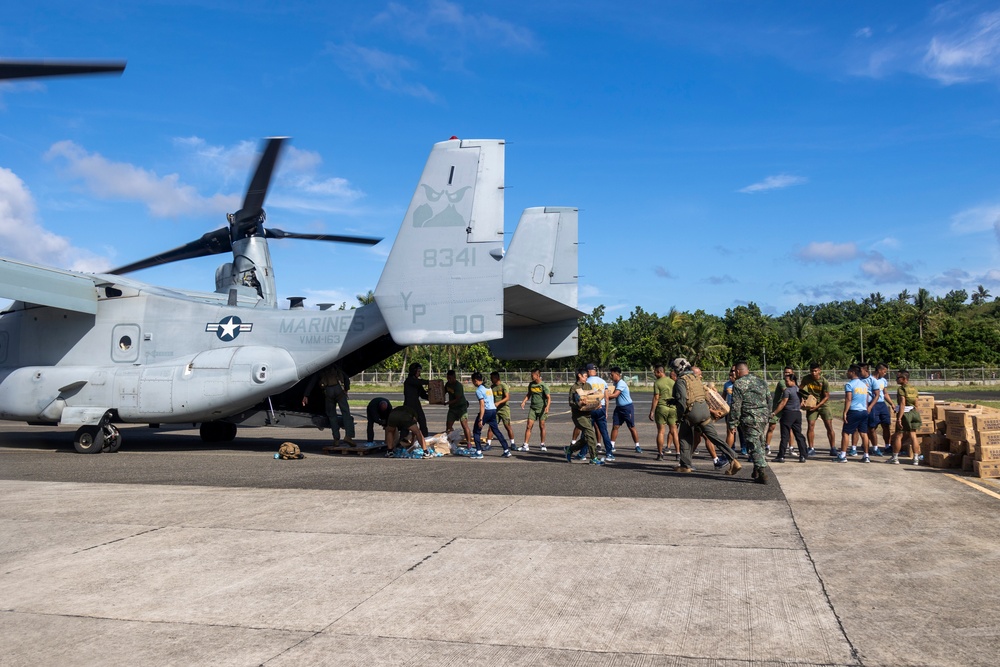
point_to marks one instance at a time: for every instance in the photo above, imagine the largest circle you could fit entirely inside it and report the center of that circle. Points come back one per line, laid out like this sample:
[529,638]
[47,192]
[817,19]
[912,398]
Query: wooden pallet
[347,449]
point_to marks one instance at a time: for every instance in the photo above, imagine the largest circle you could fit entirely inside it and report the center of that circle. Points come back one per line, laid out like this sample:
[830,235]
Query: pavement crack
[822,584]
[119,539]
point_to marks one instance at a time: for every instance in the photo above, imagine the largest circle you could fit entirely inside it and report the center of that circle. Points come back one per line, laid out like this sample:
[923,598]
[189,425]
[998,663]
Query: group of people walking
[681,410]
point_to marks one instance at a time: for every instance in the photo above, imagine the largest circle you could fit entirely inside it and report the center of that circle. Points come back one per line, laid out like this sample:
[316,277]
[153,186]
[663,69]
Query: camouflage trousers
[753,432]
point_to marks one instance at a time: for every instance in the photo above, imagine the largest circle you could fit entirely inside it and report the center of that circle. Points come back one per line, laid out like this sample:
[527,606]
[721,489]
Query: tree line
[907,330]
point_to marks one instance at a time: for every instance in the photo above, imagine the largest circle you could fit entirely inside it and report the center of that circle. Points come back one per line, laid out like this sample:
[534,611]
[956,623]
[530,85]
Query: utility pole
[862,329]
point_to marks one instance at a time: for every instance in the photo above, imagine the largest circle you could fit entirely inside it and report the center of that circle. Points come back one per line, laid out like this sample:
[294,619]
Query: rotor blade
[253,202]
[23,69]
[273,233]
[212,243]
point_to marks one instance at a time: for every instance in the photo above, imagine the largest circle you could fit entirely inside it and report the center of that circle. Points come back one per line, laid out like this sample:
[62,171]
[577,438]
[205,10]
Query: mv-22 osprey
[96,350]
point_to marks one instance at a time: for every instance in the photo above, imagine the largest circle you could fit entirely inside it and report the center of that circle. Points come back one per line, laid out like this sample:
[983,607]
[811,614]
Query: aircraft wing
[47,286]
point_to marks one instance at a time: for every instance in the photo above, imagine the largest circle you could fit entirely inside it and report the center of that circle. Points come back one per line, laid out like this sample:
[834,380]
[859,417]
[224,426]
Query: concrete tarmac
[172,552]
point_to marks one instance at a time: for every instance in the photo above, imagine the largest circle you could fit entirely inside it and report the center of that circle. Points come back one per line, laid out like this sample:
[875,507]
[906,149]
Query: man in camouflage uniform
[694,417]
[750,412]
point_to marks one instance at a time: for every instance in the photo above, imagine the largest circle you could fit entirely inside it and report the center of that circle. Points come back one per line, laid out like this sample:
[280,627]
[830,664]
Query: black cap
[591,367]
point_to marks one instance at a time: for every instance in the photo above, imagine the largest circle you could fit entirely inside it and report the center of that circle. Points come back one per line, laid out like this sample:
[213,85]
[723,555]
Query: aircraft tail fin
[443,281]
[540,274]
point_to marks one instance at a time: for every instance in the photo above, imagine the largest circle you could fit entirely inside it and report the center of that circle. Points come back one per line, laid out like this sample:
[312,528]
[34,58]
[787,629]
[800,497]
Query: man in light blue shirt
[487,417]
[855,412]
[624,409]
[879,412]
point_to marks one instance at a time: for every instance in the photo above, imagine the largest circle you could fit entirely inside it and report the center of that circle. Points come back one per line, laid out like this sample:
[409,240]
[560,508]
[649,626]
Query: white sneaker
[542,448]
[523,448]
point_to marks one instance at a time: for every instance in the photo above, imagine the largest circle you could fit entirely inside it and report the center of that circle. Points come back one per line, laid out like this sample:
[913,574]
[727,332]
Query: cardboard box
[960,418]
[986,422]
[955,433]
[939,409]
[968,463]
[435,389]
[958,447]
[986,468]
[925,400]
[988,438]
[589,399]
[945,460]
[926,444]
[987,452]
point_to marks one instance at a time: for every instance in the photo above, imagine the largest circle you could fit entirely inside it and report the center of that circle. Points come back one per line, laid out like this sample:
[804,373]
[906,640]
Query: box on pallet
[945,460]
[986,468]
[968,463]
[925,400]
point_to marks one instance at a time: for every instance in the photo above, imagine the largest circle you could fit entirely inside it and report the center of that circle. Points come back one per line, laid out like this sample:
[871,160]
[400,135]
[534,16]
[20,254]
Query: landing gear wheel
[89,440]
[112,439]
[218,432]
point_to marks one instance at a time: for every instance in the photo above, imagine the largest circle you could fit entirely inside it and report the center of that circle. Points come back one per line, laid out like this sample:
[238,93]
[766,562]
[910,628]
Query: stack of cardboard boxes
[963,436]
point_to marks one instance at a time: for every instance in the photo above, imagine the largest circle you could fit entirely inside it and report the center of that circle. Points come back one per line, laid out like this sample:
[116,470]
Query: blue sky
[720,152]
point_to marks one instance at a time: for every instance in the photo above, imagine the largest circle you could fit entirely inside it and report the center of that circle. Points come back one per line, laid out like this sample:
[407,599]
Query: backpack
[289,450]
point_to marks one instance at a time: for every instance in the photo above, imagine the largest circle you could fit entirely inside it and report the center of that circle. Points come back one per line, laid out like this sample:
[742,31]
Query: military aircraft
[96,350]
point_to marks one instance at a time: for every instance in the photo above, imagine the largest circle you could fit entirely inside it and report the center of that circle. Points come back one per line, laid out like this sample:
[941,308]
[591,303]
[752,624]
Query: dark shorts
[857,420]
[624,414]
[879,415]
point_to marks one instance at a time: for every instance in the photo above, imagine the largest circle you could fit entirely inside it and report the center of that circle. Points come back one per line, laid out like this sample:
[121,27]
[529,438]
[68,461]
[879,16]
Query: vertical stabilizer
[443,281]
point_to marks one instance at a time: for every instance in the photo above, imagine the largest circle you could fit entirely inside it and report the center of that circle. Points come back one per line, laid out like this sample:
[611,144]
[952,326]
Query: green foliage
[909,330]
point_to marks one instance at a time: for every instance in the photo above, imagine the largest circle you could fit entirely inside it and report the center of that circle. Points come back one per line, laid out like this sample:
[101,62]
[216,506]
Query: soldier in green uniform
[458,405]
[694,417]
[816,385]
[333,382]
[750,412]
[501,396]
[662,413]
[538,410]
[582,420]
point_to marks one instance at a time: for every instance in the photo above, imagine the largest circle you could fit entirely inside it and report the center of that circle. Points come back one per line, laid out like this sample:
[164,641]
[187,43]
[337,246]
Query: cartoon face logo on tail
[424,215]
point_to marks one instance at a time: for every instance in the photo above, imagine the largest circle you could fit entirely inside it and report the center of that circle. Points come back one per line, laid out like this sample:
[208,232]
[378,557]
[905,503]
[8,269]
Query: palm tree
[876,299]
[701,341]
[980,296]
[924,304]
[904,296]
[798,326]
[366,299]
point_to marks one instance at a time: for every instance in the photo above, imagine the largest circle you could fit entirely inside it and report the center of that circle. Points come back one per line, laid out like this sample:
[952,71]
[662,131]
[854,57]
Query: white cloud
[774,183]
[448,24]
[975,219]
[297,185]
[22,237]
[589,292]
[864,33]
[953,44]
[968,53]
[888,242]
[374,67]
[164,196]
[828,252]
[882,270]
